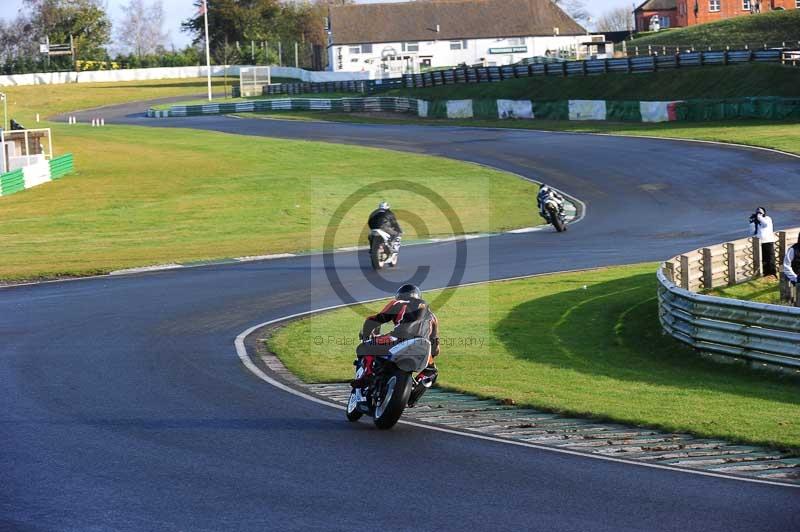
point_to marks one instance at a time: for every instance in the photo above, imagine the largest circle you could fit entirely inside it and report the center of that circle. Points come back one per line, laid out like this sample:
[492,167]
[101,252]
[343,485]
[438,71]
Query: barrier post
[708,272]
[730,253]
[781,246]
[684,272]
[669,270]
[797,295]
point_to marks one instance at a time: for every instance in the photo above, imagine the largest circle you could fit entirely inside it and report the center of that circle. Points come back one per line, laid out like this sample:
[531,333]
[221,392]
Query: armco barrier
[758,332]
[588,67]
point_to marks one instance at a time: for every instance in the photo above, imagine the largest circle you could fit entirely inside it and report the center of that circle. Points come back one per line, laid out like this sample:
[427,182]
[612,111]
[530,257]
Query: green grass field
[764,290]
[598,351]
[145,196]
[772,28]
[709,82]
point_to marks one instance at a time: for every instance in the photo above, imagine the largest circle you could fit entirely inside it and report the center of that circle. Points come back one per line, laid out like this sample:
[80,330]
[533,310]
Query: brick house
[665,10]
[691,12]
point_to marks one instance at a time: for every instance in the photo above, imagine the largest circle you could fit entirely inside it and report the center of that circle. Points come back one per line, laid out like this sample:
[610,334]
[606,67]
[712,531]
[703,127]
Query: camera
[753,218]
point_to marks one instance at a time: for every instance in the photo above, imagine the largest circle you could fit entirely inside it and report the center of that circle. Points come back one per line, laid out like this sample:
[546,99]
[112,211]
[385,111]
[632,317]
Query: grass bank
[585,344]
[145,196]
[709,82]
[764,290]
[772,28]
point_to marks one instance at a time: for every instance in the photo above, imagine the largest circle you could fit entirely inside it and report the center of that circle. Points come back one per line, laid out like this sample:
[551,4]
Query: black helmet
[409,291]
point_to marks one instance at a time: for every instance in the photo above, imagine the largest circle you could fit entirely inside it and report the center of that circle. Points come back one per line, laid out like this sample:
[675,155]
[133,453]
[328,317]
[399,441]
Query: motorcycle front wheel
[394,400]
[375,251]
[558,223]
[353,413]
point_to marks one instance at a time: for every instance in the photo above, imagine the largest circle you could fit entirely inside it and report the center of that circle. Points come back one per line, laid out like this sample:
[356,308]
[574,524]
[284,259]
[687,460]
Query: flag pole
[208,49]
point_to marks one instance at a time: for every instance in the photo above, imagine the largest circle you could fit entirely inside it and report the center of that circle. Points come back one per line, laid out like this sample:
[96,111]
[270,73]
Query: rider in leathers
[412,318]
[541,198]
[384,219]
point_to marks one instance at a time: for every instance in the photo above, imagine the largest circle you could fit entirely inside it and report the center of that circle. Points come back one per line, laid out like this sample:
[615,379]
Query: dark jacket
[386,220]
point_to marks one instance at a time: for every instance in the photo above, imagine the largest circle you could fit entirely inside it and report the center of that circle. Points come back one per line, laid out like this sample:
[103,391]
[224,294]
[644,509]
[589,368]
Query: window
[366,48]
[355,50]
[411,47]
[458,45]
[713,5]
[516,41]
[664,22]
[745,5]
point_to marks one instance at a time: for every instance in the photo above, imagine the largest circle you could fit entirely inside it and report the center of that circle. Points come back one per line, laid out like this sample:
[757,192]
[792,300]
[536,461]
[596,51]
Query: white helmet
[383,206]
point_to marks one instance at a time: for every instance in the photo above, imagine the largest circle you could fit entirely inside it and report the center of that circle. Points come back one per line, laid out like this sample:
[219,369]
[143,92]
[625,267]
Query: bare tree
[575,9]
[616,19]
[142,27]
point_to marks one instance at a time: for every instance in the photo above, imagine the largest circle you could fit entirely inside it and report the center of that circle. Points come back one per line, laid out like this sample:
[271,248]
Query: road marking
[244,357]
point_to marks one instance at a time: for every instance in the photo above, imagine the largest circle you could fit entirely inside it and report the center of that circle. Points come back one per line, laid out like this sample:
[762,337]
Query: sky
[178,10]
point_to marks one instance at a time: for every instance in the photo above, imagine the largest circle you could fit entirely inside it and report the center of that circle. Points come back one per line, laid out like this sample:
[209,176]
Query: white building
[395,38]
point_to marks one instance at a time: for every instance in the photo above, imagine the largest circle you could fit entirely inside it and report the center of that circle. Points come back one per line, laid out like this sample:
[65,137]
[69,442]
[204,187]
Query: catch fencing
[758,332]
[588,67]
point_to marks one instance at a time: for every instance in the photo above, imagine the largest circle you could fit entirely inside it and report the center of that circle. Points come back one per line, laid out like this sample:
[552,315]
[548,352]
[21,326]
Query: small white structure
[391,39]
[252,80]
[27,147]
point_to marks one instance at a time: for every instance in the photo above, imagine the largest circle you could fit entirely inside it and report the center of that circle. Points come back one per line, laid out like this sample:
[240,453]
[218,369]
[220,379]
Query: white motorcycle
[554,213]
[393,385]
[383,249]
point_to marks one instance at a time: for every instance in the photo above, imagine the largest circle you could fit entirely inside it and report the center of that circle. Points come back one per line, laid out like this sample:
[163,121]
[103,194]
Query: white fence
[755,331]
[144,74]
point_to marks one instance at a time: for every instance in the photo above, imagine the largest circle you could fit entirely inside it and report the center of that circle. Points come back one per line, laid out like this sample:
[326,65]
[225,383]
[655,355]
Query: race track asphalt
[126,407]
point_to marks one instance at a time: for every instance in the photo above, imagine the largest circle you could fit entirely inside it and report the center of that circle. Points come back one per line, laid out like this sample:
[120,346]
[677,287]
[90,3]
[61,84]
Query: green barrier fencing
[485,109]
[61,166]
[12,182]
[767,108]
[558,110]
[437,109]
[623,111]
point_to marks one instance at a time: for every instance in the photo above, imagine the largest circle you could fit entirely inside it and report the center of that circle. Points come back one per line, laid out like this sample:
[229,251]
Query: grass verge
[763,290]
[586,344]
[145,196]
[772,28]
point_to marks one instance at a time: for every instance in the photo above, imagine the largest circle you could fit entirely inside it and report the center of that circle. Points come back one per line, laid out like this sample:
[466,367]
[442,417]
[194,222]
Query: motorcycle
[392,386]
[554,213]
[383,250]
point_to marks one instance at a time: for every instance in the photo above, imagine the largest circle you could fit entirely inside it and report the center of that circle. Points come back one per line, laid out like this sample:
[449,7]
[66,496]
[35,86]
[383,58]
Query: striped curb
[36,174]
[504,422]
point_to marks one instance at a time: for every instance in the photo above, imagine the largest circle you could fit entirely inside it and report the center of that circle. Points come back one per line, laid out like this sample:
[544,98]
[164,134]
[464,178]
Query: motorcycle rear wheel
[394,401]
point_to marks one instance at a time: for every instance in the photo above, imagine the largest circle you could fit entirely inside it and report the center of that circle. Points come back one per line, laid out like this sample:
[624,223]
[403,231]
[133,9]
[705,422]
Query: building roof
[457,19]
[658,5]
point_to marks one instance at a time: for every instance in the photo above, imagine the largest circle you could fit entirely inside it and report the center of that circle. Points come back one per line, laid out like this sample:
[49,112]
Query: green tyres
[586,344]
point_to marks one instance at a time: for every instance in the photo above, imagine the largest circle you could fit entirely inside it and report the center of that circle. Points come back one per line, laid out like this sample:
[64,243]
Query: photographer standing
[764,231]
[791,263]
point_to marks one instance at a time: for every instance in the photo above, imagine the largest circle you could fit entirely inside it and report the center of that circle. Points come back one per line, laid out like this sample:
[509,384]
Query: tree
[575,9]
[617,19]
[141,30]
[86,21]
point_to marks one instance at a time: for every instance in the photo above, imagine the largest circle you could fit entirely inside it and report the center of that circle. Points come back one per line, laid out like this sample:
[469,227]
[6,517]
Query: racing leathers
[412,318]
[385,220]
[543,196]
